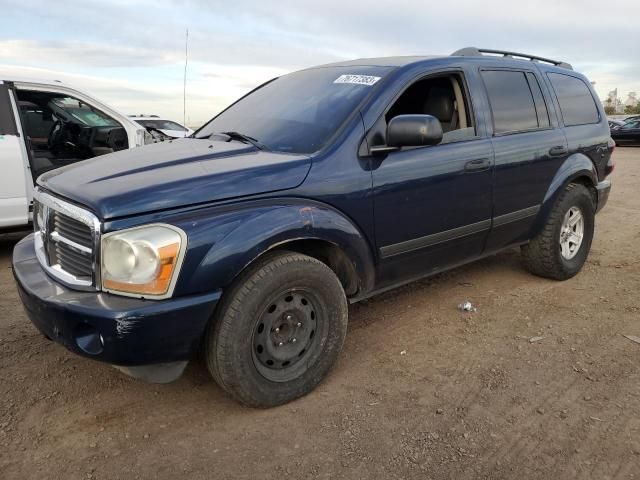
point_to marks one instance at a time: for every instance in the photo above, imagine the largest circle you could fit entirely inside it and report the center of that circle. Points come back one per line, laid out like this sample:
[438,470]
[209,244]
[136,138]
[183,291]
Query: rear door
[14,191]
[529,148]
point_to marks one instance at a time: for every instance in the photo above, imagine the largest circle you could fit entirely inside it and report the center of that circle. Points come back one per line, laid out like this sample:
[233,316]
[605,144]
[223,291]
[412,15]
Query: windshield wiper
[246,139]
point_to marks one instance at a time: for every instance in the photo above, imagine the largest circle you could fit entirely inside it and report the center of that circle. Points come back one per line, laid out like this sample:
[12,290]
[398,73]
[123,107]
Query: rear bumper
[603,188]
[118,330]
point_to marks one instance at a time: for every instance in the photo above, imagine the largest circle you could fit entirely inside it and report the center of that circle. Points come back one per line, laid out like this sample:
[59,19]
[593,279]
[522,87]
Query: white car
[155,124]
[46,125]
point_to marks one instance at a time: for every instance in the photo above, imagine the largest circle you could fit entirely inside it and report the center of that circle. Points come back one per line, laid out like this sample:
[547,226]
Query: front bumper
[603,188]
[118,330]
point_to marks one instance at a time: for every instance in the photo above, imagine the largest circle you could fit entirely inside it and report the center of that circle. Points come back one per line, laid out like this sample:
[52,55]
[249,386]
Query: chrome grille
[72,229]
[66,241]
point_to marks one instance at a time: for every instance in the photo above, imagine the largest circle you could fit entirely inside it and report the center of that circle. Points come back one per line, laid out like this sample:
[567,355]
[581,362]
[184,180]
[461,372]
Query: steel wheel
[250,348]
[285,340]
[571,233]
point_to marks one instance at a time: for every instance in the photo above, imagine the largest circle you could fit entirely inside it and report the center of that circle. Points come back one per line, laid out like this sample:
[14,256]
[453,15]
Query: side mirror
[414,131]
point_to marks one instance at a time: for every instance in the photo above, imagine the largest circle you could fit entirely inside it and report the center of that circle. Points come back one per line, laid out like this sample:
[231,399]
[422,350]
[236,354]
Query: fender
[223,243]
[575,166]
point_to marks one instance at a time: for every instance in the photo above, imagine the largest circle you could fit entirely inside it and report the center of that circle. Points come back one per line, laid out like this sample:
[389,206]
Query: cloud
[95,54]
[130,97]
[234,47]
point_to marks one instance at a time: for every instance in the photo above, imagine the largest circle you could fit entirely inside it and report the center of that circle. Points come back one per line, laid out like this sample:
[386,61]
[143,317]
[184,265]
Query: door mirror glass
[413,131]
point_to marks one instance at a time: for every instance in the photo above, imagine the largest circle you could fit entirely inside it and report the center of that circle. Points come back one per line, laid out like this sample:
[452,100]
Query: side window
[7,122]
[444,97]
[538,98]
[576,102]
[631,125]
[511,100]
[61,130]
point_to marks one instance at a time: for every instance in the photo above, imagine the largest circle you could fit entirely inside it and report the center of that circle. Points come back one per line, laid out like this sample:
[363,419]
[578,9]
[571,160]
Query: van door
[14,191]
[61,129]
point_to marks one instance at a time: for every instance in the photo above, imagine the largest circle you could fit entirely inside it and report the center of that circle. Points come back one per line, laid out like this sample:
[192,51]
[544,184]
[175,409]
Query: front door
[433,204]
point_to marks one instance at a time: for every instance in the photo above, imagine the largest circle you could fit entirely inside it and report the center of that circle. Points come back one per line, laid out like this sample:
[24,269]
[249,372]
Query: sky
[131,53]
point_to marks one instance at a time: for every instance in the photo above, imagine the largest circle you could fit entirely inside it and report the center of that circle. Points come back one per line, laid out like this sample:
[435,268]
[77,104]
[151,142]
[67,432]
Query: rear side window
[576,102]
[512,103]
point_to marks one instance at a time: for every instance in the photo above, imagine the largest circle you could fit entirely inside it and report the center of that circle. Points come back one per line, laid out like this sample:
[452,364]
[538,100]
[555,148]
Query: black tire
[543,254]
[247,333]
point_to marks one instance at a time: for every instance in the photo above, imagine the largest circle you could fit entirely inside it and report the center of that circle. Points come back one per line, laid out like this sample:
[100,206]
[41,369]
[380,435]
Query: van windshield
[299,112]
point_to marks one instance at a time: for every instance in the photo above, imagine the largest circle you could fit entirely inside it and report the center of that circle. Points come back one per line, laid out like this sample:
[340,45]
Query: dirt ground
[421,390]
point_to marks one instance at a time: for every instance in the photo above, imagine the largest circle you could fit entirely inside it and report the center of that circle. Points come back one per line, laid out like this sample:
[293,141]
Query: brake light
[611,166]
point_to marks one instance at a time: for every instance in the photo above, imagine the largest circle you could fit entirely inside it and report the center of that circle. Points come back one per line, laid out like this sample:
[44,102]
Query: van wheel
[561,248]
[278,330]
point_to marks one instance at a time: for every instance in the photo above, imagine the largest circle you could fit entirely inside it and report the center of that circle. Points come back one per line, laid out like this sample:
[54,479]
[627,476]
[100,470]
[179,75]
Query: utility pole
[184,86]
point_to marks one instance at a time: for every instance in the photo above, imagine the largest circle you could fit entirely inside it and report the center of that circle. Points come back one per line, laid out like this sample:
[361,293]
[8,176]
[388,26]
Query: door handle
[477,165]
[558,150]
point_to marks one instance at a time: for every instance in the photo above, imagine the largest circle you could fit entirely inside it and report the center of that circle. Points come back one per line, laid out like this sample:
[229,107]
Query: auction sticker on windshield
[357,79]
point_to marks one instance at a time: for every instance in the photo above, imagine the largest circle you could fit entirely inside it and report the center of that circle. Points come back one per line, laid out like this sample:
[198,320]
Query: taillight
[611,166]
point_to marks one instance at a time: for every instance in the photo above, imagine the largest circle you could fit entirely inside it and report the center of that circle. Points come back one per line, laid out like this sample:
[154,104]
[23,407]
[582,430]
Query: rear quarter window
[577,105]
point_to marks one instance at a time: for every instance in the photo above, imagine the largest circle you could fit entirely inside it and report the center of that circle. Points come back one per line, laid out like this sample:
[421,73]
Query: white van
[46,125]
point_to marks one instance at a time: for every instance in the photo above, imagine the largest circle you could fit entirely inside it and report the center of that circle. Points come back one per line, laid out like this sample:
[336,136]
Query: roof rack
[479,52]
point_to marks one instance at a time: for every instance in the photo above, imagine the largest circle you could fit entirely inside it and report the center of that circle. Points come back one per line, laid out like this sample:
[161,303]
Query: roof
[40,81]
[398,61]
[504,57]
[146,117]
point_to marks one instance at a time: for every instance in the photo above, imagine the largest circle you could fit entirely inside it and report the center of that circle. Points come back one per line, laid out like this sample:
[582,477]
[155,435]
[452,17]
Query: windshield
[83,113]
[299,112]
[162,125]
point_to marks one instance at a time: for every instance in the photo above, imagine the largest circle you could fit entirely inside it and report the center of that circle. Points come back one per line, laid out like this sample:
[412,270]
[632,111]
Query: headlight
[143,261]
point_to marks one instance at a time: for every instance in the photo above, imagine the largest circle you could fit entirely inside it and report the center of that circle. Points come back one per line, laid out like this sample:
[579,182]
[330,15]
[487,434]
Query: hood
[174,174]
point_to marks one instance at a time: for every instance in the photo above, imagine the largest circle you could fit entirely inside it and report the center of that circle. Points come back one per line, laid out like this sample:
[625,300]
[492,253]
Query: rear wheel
[278,330]
[560,250]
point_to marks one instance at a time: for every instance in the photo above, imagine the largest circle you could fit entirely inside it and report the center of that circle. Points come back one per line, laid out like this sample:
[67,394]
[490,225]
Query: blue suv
[248,240]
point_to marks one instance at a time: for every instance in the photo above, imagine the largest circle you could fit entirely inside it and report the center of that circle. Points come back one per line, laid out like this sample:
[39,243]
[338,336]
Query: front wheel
[278,331]
[560,250]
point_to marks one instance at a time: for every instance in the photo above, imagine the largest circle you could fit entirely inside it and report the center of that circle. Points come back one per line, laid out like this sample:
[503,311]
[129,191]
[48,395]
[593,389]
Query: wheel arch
[328,253]
[577,168]
[308,227]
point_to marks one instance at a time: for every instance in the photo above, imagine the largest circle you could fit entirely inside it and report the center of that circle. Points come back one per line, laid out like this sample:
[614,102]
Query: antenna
[184,86]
